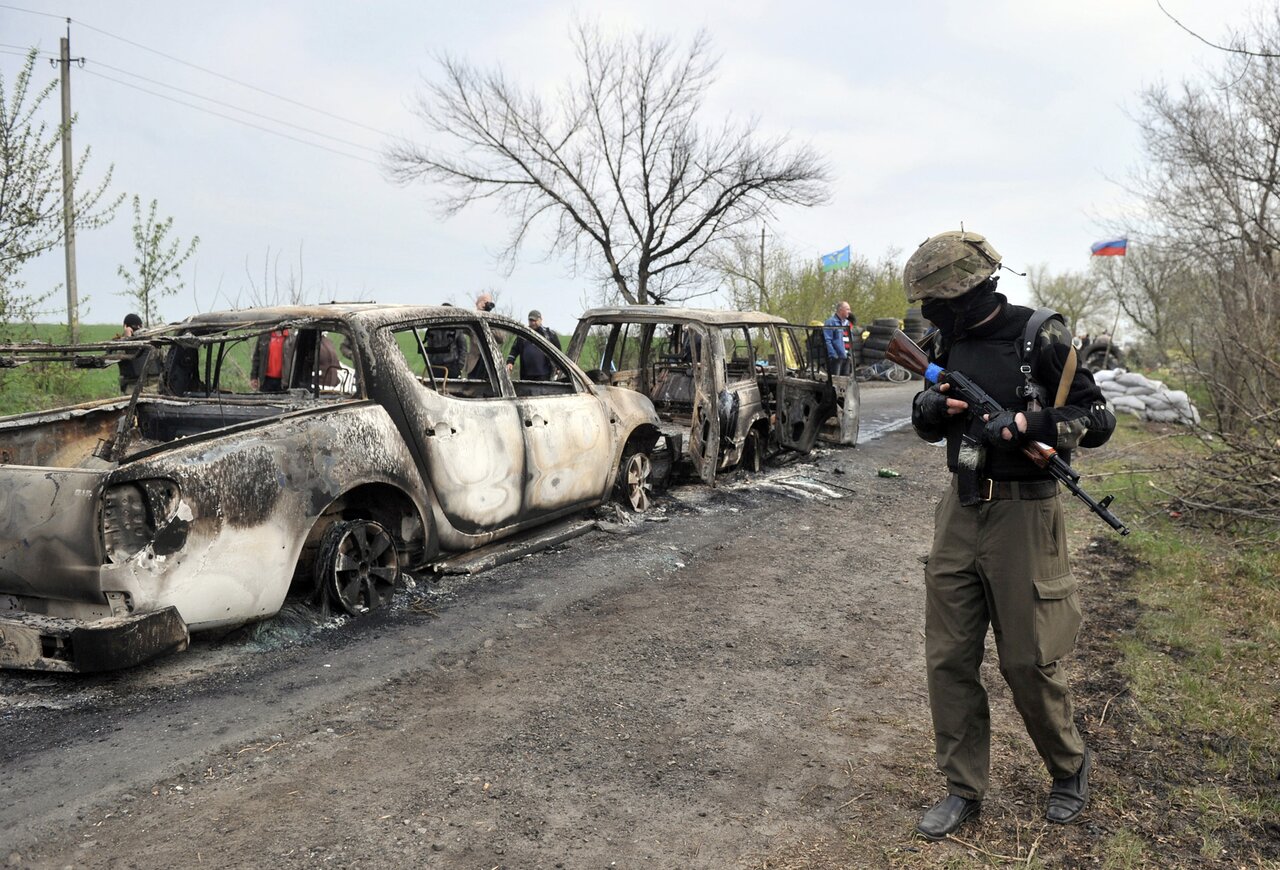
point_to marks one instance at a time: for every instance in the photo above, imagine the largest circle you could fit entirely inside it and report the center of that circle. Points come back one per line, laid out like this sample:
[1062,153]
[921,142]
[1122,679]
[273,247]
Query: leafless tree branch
[1226,48]
[617,168]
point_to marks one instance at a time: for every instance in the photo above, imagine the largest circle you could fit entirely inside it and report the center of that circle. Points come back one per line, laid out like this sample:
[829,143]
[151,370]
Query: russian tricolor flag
[1113,248]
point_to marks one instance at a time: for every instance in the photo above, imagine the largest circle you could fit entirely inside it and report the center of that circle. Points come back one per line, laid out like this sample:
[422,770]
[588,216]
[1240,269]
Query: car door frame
[476,491]
[804,402]
[563,432]
[706,356]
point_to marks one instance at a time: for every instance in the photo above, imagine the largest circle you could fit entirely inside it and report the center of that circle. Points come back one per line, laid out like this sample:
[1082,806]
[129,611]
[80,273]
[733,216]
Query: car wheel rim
[364,569]
[638,484]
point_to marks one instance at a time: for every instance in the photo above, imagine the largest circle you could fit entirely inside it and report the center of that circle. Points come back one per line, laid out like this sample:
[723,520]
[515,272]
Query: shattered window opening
[451,359]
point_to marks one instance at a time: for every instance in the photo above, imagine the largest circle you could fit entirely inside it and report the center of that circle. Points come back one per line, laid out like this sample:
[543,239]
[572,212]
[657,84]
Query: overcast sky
[1012,116]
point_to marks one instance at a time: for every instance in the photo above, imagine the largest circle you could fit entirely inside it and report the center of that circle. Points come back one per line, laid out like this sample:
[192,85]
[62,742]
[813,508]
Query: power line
[230,118]
[32,12]
[26,49]
[202,69]
[217,102]
[234,81]
[234,107]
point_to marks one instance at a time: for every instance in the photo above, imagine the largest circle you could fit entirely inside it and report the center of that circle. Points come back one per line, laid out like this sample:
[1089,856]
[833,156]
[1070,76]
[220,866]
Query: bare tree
[1212,189]
[1155,290]
[1080,297]
[628,180]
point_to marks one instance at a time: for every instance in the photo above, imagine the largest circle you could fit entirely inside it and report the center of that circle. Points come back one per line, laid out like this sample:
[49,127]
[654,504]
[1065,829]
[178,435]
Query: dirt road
[736,681]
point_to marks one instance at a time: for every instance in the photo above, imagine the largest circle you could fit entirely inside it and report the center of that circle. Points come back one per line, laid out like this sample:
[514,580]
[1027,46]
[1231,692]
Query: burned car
[730,386]
[322,447]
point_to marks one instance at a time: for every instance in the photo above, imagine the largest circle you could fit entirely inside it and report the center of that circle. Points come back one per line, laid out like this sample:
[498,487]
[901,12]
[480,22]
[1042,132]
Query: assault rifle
[906,353]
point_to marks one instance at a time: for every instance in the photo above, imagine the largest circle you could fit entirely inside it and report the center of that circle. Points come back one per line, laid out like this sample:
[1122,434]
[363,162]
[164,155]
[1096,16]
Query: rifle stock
[906,353]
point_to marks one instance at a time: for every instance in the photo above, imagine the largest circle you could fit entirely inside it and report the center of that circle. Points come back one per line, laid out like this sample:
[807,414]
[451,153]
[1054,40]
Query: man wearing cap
[534,363]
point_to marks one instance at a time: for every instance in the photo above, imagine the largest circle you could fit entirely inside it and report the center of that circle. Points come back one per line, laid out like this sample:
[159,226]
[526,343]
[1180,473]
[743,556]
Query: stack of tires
[914,325]
[873,347]
[855,345]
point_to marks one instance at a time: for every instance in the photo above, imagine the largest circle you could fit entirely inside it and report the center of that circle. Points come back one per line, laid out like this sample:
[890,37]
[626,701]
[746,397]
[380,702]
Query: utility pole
[762,294]
[68,192]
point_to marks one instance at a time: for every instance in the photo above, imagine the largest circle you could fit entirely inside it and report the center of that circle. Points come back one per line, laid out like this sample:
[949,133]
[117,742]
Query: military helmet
[948,265]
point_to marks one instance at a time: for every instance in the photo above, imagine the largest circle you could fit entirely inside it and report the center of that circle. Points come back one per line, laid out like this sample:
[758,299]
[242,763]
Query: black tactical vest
[994,363]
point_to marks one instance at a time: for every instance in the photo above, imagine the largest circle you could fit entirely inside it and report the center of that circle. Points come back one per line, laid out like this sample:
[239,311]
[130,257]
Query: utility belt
[996,490]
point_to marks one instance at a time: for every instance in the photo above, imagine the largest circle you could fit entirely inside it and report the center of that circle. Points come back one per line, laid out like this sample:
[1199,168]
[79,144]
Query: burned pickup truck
[321,448]
[730,386]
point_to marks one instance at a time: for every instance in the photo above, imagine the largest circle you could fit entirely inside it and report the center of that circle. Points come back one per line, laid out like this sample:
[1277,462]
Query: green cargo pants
[1002,562]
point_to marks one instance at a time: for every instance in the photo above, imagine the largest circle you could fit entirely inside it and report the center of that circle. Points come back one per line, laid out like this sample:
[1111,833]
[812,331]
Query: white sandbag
[1129,405]
[1188,416]
[1132,379]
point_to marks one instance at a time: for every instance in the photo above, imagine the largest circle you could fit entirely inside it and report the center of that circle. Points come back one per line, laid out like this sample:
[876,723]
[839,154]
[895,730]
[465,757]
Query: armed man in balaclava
[999,553]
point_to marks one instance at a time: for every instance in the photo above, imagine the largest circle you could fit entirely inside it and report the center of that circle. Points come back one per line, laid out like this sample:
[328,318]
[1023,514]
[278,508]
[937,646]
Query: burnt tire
[1101,355]
[357,568]
[634,487]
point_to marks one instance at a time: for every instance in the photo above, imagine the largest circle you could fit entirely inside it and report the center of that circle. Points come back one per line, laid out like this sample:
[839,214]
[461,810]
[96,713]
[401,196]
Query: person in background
[473,365]
[836,336]
[130,369]
[328,365]
[272,360]
[534,363]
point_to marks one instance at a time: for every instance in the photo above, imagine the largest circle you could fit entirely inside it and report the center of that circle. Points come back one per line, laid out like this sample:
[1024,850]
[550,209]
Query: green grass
[1203,661]
[34,387]
[1123,850]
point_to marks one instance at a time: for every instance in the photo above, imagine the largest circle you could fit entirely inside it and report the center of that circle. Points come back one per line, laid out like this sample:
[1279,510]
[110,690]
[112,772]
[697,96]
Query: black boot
[1068,796]
[947,815]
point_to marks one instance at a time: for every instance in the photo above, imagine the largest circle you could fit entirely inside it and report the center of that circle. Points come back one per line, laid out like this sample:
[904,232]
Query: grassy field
[1194,635]
[35,387]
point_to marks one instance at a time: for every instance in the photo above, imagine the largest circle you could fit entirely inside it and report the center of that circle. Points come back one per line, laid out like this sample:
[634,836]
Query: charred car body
[730,386]
[396,435]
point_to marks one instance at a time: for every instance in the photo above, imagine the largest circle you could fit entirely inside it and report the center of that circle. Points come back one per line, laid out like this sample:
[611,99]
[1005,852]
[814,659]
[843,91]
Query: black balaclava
[955,317]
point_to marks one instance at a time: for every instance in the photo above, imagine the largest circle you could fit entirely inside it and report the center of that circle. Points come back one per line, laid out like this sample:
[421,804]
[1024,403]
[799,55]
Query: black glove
[993,432]
[930,407]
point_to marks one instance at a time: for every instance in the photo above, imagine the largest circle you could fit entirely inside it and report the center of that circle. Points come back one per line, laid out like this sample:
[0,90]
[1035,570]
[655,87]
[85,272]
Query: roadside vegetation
[1191,619]
[40,386]
[35,386]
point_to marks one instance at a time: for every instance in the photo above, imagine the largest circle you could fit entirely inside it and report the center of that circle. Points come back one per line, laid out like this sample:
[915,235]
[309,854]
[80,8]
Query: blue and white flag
[836,260]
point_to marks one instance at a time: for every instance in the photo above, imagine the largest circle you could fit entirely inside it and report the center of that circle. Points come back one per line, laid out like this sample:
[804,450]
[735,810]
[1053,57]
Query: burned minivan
[730,386]
[321,448]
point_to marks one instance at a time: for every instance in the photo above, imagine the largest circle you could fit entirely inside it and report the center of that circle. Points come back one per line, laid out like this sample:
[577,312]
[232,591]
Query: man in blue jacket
[836,335]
